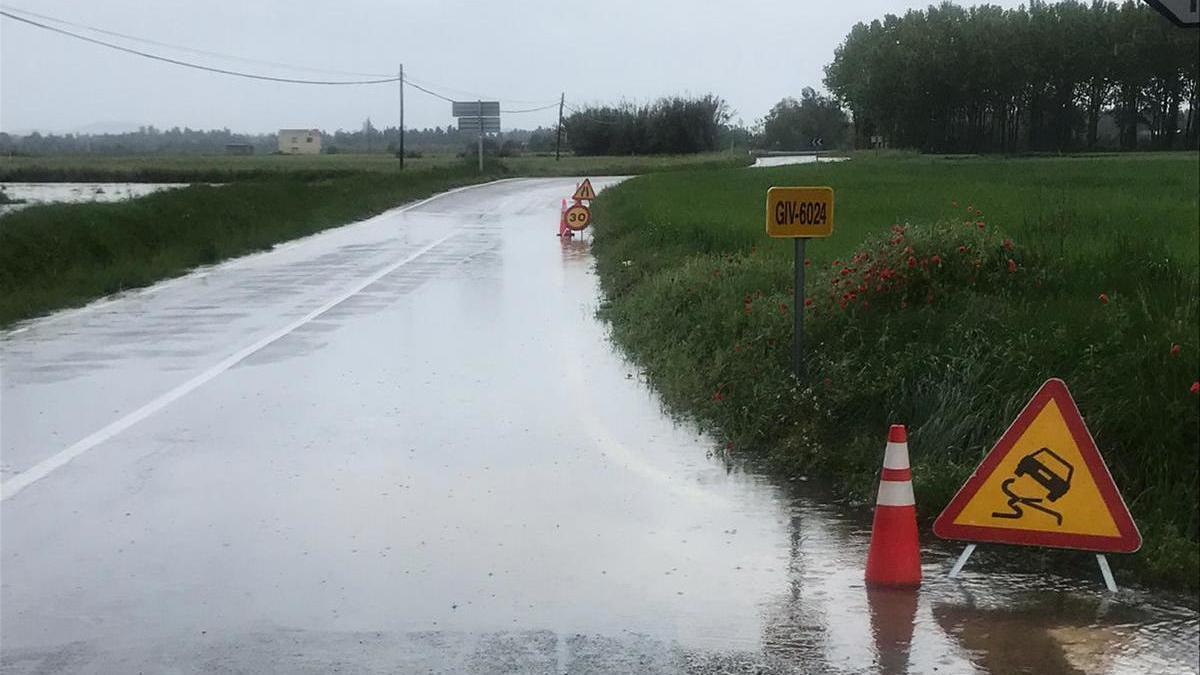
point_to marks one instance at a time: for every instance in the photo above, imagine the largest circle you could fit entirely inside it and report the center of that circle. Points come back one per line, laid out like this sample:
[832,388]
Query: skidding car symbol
[1050,471]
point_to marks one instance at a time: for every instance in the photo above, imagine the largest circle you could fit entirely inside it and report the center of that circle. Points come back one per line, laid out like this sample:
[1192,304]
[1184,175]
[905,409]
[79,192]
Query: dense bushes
[672,126]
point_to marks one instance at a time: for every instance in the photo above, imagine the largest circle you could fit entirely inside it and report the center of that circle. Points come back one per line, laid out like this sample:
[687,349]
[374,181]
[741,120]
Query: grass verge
[950,290]
[56,256]
[224,169]
[61,255]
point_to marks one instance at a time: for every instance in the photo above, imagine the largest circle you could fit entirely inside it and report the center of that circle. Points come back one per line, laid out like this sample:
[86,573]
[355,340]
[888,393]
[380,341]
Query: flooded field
[73,193]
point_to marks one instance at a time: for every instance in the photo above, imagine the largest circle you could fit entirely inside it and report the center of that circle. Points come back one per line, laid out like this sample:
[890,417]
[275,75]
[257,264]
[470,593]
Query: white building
[300,141]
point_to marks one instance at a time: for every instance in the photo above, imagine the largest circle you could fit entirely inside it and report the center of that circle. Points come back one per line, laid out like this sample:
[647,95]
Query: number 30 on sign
[799,212]
[578,217]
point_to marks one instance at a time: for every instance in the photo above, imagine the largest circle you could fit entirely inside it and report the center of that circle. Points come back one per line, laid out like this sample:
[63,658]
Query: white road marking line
[204,270]
[13,486]
[584,408]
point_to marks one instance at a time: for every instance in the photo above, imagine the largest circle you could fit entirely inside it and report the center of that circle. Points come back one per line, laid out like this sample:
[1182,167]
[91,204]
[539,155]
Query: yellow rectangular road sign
[803,212]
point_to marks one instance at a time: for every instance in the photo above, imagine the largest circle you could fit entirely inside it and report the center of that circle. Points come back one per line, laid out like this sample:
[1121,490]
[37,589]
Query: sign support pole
[481,136]
[962,561]
[1106,572]
[798,314]
[558,134]
[401,117]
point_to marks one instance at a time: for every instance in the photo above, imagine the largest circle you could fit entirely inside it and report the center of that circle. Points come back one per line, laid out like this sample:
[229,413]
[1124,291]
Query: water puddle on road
[767,161]
[990,620]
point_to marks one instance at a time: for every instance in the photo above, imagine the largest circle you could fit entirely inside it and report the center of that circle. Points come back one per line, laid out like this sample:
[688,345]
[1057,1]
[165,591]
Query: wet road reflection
[452,470]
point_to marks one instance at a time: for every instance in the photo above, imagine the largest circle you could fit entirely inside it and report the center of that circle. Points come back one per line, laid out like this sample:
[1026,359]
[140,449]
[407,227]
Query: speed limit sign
[578,217]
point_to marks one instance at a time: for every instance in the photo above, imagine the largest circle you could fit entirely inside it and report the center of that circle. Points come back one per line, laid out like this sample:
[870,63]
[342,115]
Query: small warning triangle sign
[584,191]
[1044,484]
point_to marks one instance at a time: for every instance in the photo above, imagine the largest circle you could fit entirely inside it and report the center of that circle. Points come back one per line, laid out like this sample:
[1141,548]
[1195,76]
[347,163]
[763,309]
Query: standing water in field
[29,194]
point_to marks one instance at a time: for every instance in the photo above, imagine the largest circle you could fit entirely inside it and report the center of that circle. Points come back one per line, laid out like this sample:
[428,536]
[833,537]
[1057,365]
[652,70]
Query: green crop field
[202,168]
[59,255]
[221,168]
[949,291]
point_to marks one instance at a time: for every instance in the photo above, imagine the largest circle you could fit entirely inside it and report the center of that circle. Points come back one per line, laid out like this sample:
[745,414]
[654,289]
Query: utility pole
[558,135]
[480,111]
[401,116]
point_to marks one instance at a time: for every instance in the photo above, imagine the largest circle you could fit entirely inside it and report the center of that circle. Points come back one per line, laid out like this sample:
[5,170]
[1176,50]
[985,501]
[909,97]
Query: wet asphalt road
[405,445]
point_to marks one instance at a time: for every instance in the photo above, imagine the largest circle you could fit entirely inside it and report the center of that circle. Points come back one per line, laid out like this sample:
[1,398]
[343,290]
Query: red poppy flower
[718,397]
[1175,349]
[979,225]
[962,249]
[845,271]
[935,260]
[1008,245]
[1104,298]
[808,302]
[1195,387]
[912,262]
[807,262]
[1012,266]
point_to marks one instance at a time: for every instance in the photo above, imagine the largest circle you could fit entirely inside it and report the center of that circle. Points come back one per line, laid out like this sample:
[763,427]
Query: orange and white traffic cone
[894,559]
[562,221]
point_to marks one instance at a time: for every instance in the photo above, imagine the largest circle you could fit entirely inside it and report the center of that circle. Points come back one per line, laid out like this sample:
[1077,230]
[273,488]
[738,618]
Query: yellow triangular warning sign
[1044,484]
[584,191]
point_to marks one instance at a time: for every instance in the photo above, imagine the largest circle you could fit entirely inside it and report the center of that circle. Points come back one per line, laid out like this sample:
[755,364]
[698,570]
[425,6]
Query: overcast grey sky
[523,52]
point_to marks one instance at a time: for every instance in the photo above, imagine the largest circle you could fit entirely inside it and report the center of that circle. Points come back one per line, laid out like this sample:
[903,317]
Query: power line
[6,11]
[181,48]
[529,110]
[197,66]
[418,87]
[473,95]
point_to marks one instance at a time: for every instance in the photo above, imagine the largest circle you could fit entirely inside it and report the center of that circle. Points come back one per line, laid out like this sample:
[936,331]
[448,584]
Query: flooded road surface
[406,446]
[766,161]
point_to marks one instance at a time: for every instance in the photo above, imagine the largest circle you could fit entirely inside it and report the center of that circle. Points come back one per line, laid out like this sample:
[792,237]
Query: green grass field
[221,168]
[60,255]
[950,290]
[202,168]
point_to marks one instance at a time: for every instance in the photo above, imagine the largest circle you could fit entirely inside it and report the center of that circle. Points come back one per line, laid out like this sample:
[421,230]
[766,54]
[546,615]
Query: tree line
[149,140]
[1044,77]
[670,125]
[1047,77]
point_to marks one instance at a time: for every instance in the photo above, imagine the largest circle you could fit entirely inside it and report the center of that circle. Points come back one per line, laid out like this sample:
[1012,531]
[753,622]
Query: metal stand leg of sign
[962,560]
[1106,572]
[798,314]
